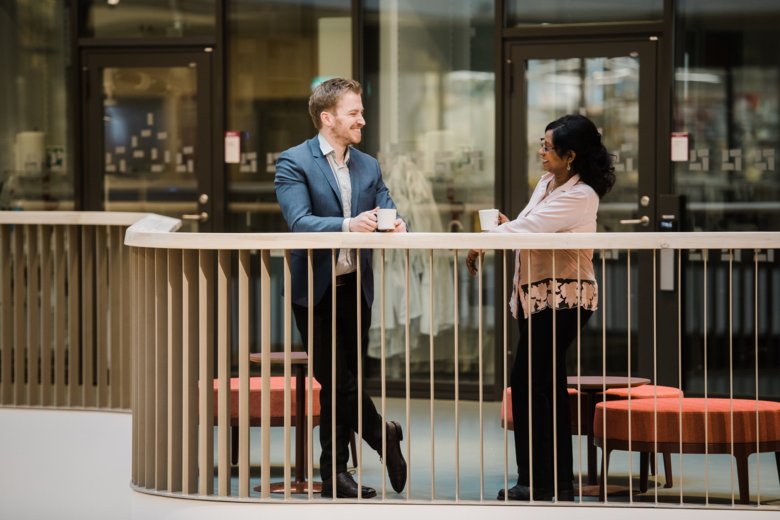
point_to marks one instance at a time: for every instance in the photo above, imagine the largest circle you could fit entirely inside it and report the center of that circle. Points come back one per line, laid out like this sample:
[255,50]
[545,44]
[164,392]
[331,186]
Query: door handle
[645,220]
[200,217]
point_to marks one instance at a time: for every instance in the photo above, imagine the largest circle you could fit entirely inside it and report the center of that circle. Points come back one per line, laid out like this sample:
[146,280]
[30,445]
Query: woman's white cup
[488,219]
[385,219]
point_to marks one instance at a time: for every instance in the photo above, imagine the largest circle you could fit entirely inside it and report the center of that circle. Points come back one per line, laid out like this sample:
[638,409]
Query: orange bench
[506,409]
[649,392]
[666,416]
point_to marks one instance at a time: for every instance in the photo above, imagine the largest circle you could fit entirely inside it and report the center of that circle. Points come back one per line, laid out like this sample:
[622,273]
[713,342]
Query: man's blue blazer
[310,199]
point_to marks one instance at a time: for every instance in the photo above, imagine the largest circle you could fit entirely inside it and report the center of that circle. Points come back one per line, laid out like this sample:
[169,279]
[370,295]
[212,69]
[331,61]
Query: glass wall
[277,51]
[429,73]
[147,18]
[36,134]
[552,12]
[726,104]
[726,101]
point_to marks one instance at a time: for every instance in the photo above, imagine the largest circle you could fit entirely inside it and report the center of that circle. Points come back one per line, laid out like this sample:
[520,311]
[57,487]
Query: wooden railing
[110,311]
[191,300]
[65,310]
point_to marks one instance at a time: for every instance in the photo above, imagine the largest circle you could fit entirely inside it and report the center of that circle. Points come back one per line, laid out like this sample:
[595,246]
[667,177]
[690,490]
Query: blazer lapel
[325,170]
[355,178]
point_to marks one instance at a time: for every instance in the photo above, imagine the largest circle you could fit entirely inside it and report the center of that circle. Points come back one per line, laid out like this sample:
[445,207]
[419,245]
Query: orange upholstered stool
[277,404]
[694,414]
[649,392]
[506,410]
[277,400]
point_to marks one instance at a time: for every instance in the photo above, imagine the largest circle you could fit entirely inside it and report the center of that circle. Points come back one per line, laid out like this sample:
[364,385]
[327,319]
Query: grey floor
[698,479]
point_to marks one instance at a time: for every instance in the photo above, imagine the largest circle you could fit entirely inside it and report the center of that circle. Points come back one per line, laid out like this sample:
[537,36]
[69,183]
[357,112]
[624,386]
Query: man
[324,184]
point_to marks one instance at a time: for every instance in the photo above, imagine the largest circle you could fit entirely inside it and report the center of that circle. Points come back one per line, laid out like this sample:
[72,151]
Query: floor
[701,479]
[76,464]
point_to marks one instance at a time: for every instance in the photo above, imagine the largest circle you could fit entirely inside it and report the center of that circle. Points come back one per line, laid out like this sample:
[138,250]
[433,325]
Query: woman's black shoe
[523,493]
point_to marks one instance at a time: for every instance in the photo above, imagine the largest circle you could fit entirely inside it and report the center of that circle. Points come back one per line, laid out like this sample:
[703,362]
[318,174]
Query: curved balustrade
[64,310]
[197,307]
[169,321]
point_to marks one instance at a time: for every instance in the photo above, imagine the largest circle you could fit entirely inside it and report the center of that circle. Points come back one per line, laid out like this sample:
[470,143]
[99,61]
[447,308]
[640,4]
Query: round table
[590,387]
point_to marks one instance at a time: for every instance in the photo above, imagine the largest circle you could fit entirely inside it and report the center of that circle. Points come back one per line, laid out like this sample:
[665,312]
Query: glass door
[147,146]
[612,83]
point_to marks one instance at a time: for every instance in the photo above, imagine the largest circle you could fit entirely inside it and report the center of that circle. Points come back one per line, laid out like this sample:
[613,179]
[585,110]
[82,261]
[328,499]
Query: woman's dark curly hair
[578,134]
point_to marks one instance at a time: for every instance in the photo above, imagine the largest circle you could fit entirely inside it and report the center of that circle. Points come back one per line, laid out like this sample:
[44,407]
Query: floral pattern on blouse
[561,293]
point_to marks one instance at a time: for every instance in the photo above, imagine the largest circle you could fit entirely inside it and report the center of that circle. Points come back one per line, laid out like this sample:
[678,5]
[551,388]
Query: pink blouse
[571,208]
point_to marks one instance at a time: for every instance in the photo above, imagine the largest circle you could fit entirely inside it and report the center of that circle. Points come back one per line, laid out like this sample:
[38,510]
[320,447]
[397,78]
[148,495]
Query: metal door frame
[93,62]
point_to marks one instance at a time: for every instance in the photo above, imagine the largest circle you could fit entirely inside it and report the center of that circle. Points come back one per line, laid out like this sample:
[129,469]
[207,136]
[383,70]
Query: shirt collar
[326,148]
[574,179]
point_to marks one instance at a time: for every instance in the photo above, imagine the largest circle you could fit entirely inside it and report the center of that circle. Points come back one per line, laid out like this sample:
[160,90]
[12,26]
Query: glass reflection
[552,12]
[150,122]
[430,105]
[726,100]
[36,144]
[607,91]
[148,18]
[277,52]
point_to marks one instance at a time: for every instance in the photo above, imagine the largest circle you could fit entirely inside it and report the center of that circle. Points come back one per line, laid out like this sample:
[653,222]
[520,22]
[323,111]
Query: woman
[578,172]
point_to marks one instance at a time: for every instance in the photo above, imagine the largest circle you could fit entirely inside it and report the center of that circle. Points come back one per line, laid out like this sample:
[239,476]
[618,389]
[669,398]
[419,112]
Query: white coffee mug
[488,219]
[385,219]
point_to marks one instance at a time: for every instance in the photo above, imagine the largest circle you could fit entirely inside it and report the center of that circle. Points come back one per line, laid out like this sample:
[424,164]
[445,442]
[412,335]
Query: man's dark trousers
[346,372]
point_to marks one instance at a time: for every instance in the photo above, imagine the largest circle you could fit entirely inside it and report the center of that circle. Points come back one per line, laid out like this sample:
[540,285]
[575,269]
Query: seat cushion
[644,392]
[277,397]
[693,413]
[506,408]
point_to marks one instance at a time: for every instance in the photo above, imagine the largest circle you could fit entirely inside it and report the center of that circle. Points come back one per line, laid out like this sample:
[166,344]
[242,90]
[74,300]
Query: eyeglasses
[544,146]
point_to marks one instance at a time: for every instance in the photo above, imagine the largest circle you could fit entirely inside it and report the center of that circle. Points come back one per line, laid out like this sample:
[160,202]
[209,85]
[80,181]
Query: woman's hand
[471,260]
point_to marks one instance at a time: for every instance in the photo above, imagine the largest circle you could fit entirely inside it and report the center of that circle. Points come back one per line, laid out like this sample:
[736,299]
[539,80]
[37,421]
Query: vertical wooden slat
[359,346]
[480,259]
[33,316]
[75,398]
[265,371]
[6,323]
[243,373]
[149,383]
[408,375]
[310,370]
[60,316]
[139,310]
[127,310]
[189,403]
[20,339]
[382,367]
[628,370]
[117,291]
[134,401]
[161,368]
[174,370]
[206,373]
[223,369]
[431,368]
[102,309]
[44,247]
[287,369]
[333,403]
[504,363]
[88,315]
[456,368]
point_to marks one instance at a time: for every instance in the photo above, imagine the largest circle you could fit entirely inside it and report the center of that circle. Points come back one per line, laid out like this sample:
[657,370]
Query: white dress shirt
[346,262]
[571,208]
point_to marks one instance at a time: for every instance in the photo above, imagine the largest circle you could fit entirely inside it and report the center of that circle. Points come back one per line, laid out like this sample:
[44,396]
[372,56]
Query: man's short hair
[327,94]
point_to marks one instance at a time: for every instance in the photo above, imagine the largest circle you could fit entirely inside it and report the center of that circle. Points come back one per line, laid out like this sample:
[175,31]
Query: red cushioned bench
[649,392]
[666,416]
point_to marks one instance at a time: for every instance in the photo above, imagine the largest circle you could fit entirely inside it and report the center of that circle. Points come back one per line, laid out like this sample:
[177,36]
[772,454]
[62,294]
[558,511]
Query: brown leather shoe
[396,465]
[346,487]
